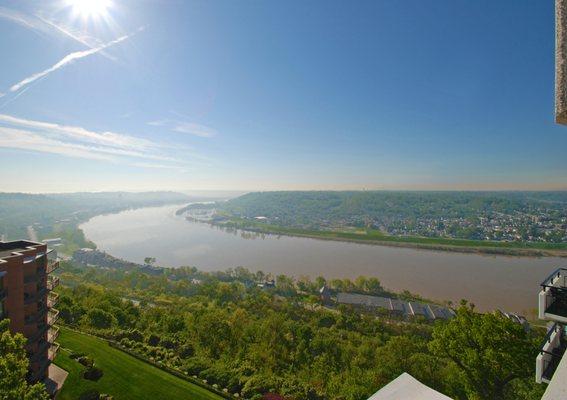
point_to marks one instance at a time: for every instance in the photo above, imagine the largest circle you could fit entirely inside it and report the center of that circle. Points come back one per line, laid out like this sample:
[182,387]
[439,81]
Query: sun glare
[90,8]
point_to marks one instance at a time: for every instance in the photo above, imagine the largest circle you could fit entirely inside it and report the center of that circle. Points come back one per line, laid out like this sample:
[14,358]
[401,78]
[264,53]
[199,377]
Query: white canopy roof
[406,387]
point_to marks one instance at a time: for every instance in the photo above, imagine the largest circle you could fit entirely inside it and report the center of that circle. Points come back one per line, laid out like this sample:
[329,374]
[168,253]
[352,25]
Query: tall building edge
[27,300]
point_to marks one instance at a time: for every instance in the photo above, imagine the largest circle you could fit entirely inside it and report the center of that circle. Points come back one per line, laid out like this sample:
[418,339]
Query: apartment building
[26,298]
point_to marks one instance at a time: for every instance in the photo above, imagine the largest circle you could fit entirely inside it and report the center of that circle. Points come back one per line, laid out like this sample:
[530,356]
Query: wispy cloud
[78,142]
[78,36]
[45,26]
[69,58]
[27,21]
[189,128]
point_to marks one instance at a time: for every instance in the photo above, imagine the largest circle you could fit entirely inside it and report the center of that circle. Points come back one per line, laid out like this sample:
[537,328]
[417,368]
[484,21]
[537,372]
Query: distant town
[524,217]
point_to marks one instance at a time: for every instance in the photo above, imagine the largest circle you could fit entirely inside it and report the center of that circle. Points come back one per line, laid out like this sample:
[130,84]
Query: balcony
[52,266]
[553,297]
[52,334]
[52,282]
[52,352]
[550,354]
[52,299]
[52,317]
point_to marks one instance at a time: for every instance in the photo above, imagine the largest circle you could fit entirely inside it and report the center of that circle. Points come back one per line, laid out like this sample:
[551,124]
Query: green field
[125,377]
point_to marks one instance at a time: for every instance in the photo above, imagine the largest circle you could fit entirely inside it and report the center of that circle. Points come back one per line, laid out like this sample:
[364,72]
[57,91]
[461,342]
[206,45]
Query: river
[490,282]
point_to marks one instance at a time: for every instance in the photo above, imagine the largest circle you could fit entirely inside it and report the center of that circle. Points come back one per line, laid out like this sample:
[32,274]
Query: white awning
[406,387]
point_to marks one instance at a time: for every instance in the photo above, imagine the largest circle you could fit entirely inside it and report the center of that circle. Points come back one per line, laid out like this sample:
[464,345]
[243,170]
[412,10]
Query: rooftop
[406,387]
[7,248]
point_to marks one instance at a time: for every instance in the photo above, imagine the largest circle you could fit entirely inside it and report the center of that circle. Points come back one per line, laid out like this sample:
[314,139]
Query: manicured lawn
[125,377]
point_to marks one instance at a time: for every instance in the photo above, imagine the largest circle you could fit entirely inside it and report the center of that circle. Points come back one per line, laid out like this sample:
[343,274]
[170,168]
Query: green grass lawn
[125,377]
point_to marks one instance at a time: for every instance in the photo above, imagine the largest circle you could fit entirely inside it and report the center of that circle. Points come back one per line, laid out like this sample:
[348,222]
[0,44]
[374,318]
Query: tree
[13,368]
[489,351]
[99,318]
[149,260]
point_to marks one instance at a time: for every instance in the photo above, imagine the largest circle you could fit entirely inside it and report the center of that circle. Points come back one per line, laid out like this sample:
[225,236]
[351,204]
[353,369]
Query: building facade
[26,298]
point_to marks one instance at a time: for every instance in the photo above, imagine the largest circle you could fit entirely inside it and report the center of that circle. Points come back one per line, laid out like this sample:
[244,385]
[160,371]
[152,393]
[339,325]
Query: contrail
[69,58]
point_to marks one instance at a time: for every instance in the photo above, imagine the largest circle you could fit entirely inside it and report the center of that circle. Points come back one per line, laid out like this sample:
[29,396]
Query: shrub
[93,374]
[91,394]
[86,361]
[187,350]
[195,365]
[75,356]
[153,340]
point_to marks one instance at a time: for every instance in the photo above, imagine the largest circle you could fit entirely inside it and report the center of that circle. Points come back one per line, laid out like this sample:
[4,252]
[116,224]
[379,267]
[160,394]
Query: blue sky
[263,95]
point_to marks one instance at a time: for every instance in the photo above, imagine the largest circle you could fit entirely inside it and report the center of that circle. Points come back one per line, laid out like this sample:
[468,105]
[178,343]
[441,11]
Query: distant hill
[18,210]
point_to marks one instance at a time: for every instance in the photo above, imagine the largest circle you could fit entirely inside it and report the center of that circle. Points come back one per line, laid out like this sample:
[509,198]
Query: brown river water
[490,282]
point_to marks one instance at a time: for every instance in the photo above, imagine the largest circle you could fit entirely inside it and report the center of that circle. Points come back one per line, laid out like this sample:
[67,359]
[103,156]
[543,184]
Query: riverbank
[516,249]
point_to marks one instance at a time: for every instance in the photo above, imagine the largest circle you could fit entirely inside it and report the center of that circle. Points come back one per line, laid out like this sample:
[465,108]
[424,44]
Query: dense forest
[224,329]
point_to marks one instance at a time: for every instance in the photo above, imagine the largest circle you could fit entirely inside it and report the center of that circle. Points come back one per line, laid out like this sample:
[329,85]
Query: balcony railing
[52,299]
[553,297]
[52,266]
[550,353]
[52,283]
[52,334]
[52,317]
[52,352]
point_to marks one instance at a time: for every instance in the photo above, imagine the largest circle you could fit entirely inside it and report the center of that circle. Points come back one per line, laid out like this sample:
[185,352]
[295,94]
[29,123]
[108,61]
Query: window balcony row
[553,297]
[37,277]
[39,353]
[52,316]
[550,353]
[52,352]
[52,299]
[52,334]
[52,266]
[36,317]
[30,298]
[52,282]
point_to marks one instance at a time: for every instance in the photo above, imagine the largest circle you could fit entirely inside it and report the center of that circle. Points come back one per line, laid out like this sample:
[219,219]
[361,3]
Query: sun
[90,8]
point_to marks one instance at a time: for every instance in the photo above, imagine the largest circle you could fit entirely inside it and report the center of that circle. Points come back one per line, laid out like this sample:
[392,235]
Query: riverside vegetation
[245,341]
